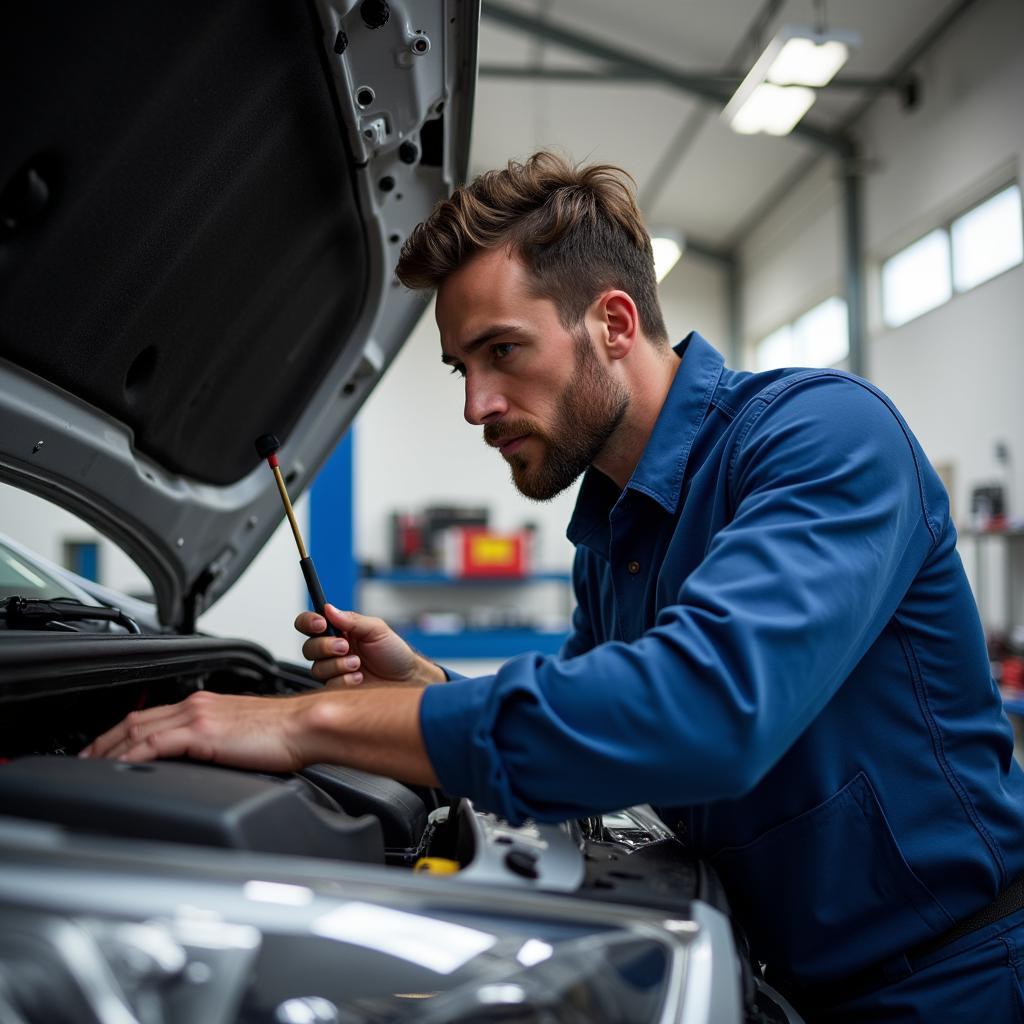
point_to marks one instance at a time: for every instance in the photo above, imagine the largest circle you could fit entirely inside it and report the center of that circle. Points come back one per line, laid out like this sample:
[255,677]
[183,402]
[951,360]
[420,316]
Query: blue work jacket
[775,644]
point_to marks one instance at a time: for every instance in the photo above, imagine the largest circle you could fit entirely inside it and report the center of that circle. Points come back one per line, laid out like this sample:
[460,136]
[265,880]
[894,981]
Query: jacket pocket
[829,892]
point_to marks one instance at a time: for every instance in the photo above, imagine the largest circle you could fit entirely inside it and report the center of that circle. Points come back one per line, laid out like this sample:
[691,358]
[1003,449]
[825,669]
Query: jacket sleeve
[828,529]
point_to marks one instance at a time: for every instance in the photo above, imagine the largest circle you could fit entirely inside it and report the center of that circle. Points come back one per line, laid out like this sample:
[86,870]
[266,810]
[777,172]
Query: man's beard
[590,408]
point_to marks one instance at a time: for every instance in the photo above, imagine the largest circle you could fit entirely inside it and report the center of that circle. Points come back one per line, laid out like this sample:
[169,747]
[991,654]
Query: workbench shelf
[471,641]
[1010,538]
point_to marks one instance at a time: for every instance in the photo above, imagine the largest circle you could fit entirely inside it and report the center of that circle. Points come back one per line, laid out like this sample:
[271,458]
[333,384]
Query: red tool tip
[272,459]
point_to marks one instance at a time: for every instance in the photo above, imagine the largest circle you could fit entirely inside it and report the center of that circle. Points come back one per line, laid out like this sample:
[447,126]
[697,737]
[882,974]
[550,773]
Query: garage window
[820,337]
[967,251]
[988,239]
[917,279]
[777,349]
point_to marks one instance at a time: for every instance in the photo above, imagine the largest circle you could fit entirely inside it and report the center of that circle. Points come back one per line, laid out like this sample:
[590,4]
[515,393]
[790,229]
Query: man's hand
[374,730]
[244,732]
[370,654]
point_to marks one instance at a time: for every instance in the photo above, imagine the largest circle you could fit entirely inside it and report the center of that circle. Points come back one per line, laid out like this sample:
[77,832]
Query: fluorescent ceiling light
[803,61]
[773,109]
[779,89]
[668,246]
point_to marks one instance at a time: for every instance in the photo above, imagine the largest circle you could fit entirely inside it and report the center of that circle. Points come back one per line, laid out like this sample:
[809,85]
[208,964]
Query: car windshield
[21,578]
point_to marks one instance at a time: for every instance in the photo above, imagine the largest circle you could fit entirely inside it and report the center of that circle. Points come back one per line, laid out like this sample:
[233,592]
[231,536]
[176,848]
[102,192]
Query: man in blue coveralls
[775,642]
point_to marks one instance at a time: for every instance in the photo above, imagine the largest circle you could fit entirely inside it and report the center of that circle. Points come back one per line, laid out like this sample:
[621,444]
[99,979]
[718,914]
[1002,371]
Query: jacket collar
[659,473]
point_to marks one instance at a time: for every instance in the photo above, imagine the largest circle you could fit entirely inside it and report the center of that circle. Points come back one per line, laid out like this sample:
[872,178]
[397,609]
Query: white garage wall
[265,599]
[955,372]
[793,260]
[694,297]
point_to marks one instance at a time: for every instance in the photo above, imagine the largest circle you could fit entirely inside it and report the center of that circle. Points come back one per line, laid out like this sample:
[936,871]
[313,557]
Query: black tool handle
[316,592]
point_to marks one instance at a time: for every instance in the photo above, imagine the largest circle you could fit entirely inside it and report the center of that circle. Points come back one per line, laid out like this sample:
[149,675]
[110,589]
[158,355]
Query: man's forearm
[374,730]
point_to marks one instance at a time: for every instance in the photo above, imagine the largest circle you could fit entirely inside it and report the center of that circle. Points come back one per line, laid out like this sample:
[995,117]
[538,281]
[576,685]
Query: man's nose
[483,402]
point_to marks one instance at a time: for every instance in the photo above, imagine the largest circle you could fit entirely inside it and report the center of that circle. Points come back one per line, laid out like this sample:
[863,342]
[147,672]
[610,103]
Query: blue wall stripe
[331,525]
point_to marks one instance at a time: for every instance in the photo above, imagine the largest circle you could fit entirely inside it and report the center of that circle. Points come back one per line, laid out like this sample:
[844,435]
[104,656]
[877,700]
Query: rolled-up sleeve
[828,529]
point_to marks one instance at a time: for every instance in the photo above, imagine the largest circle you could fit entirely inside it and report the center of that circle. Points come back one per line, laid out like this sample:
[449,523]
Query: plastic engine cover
[188,803]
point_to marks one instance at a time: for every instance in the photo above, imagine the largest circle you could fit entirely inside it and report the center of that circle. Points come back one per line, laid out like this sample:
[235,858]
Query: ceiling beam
[689,131]
[904,65]
[705,251]
[719,83]
[900,73]
[692,85]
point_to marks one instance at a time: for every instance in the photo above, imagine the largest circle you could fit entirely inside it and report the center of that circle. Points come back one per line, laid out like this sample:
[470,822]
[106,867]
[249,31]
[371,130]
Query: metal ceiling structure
[616,64]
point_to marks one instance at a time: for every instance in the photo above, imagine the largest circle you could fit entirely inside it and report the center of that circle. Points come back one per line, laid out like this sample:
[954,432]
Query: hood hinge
[194,603]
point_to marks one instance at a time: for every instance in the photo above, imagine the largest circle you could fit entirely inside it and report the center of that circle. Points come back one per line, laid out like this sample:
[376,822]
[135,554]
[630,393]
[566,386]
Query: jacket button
[633,567]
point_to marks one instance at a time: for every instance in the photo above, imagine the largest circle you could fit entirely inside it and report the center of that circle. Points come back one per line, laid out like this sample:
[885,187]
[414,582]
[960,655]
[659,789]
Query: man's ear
[621,322]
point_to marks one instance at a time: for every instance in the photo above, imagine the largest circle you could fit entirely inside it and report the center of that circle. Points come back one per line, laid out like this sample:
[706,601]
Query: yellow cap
[437,865]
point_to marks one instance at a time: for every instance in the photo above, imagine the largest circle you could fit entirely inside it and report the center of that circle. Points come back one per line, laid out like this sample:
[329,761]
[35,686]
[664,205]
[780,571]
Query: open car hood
[202,206]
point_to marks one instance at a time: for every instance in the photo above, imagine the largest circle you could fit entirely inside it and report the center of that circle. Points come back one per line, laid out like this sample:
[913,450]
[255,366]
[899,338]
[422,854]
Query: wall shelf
[482,643]
[434,577]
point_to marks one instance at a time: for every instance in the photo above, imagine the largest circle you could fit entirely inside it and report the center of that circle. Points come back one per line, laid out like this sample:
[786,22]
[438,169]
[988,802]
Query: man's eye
[460,370]
[502,349]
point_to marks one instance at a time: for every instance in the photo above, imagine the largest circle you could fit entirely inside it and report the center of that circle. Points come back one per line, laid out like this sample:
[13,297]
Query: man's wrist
[429,672]
[303,726]
[318,727]
[376,730]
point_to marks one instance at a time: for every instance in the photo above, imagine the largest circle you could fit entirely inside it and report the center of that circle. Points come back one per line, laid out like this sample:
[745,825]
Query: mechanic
[775,642]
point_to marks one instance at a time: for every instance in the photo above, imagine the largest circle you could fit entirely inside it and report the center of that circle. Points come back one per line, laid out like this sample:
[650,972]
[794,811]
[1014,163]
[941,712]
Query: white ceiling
[722,180]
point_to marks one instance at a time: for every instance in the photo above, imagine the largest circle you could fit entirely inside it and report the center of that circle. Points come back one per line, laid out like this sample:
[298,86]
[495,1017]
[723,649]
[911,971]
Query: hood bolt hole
[374,13]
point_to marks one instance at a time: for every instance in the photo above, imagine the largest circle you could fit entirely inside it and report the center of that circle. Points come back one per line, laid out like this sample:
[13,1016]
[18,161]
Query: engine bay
[331,819]
[330,811]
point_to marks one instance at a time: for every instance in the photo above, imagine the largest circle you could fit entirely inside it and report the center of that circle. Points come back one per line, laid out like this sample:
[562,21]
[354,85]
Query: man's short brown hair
[577,229]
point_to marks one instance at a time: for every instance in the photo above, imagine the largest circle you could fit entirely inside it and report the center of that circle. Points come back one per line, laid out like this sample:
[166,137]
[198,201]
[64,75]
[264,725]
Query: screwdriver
[267,446]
